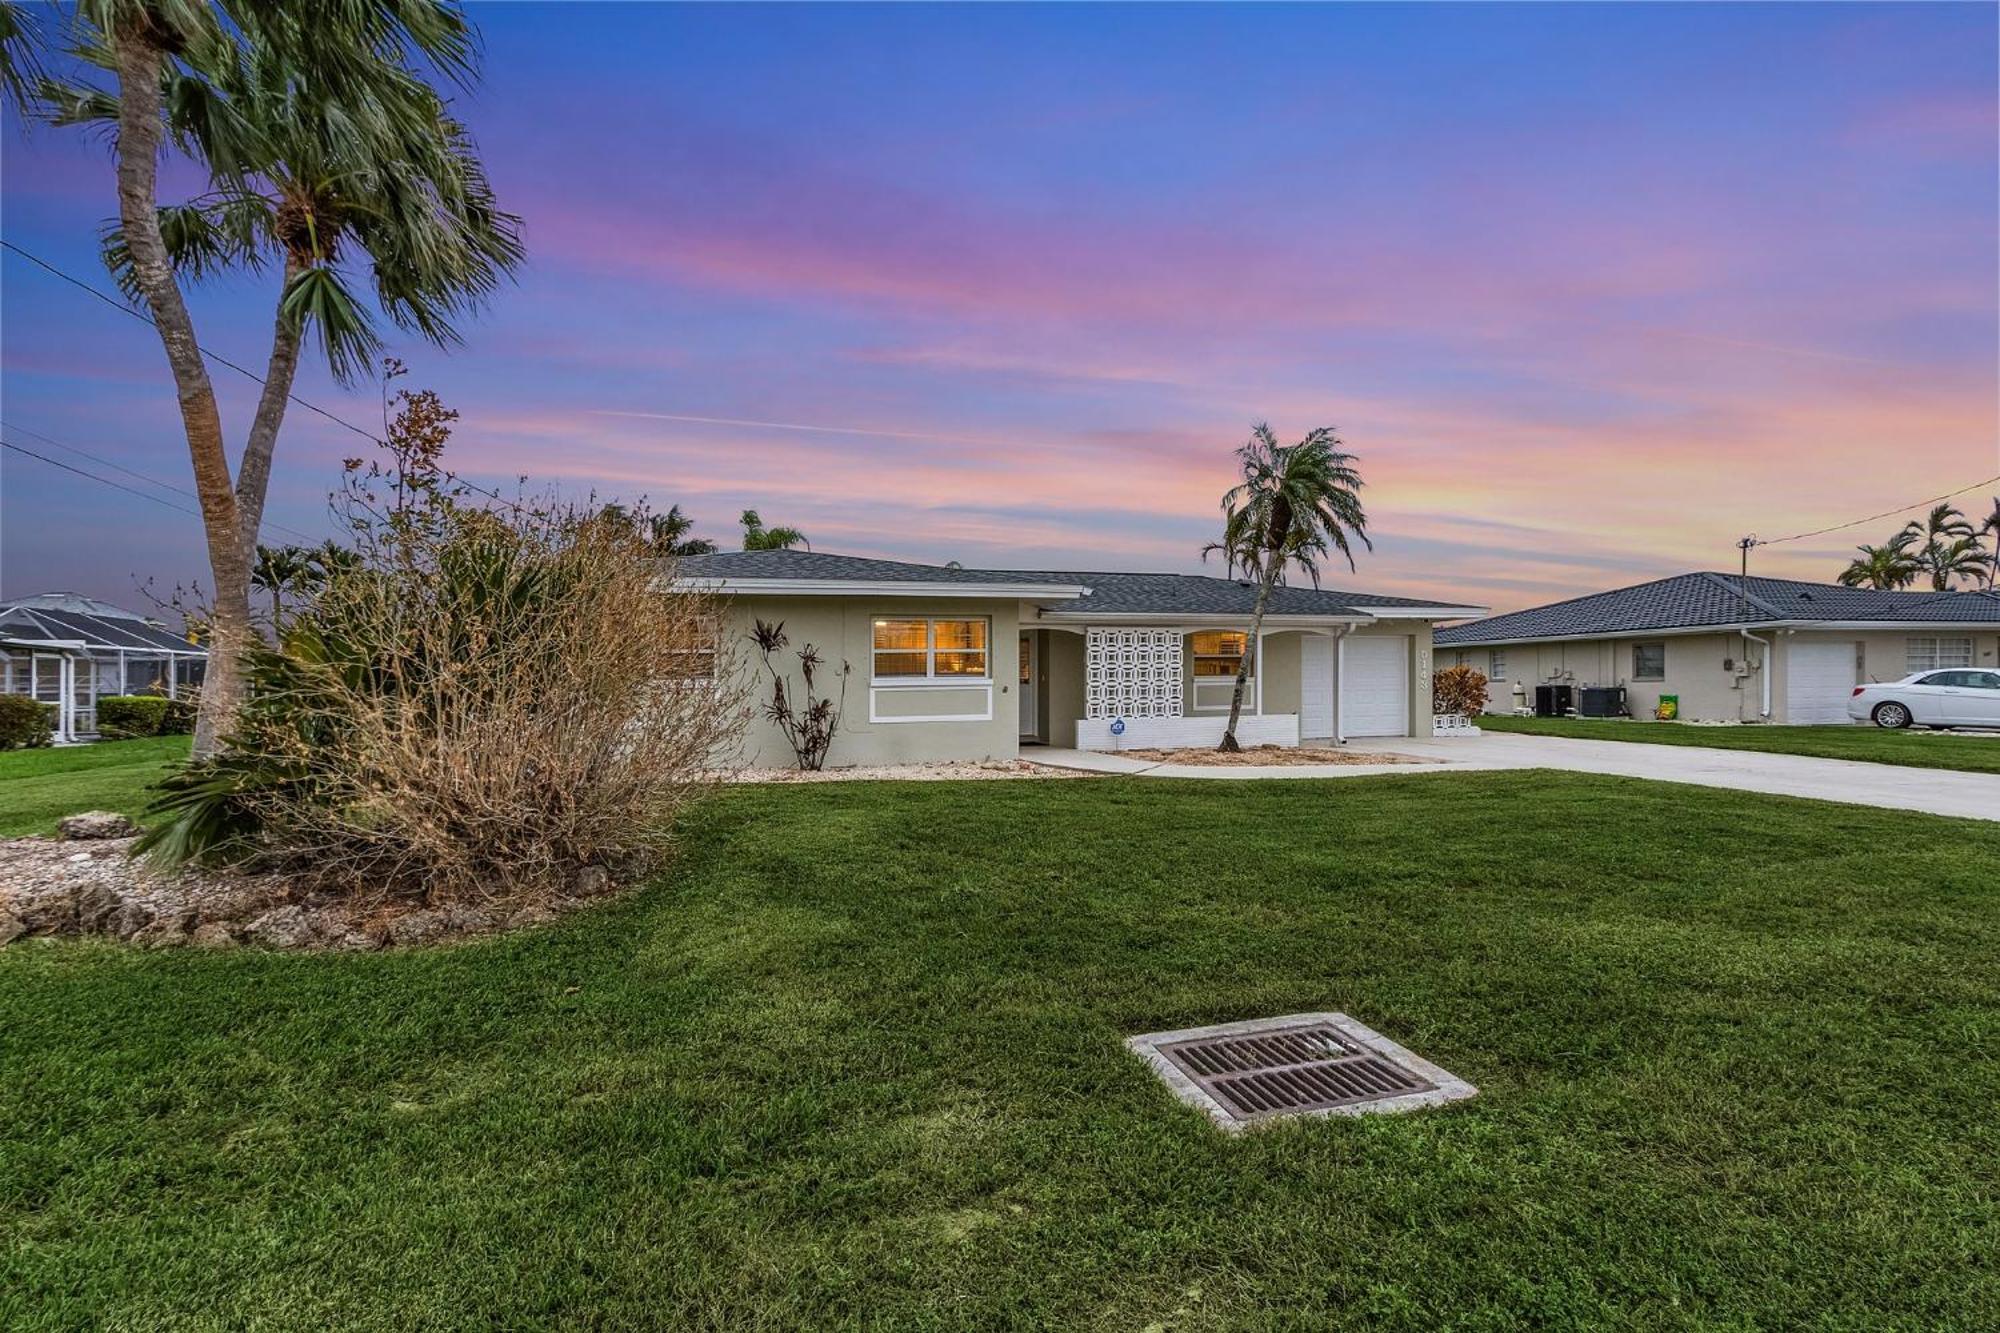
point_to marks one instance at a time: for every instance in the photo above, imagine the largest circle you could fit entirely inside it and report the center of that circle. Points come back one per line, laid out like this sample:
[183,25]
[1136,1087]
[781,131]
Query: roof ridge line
[1739,585]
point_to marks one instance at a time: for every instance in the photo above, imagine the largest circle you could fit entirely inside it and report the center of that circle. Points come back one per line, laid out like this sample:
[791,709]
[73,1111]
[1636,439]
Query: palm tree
[399,200]
[272,97]
[757,537]
[280,569]
[1950,546]
[668,535]
[1890,565]
[1295,503]
[1962,557]
[1991,529]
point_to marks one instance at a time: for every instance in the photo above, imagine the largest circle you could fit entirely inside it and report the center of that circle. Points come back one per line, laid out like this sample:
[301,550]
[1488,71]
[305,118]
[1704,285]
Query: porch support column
[66,692]
[1340,687]
[1257,661]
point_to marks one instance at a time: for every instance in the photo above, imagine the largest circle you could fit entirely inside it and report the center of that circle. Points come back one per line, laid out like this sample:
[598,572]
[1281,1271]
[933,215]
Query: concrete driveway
[1886,786]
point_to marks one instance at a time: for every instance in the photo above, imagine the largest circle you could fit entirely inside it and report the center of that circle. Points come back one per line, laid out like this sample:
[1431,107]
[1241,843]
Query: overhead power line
[129,490]
[119,467]
[140,315]
[1873,518]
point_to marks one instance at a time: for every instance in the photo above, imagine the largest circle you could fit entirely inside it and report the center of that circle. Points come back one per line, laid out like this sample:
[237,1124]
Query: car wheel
[1892,715]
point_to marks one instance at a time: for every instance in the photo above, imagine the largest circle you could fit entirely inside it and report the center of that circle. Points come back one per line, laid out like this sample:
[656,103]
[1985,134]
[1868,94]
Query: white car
[1958,698]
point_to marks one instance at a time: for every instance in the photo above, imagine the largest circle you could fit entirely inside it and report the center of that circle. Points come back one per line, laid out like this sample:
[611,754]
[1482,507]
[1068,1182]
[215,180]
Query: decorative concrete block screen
[1132,673]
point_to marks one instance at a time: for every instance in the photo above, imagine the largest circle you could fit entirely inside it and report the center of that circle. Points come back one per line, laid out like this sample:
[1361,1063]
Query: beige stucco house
[946,663]
[1731,649]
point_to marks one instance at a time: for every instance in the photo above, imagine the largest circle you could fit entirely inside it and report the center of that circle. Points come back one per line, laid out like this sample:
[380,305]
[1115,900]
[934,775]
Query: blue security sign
[1118,726]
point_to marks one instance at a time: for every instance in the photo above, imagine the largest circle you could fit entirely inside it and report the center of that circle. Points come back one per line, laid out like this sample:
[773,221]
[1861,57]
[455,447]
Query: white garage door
[1376,692]
[1819,677]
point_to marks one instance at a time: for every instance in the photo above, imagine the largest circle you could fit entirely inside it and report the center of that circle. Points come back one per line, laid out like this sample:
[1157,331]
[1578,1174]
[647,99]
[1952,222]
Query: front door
[1030,673]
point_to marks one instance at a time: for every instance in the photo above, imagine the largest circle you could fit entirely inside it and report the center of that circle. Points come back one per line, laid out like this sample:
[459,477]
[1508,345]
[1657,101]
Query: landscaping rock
[468,920]
[165,932]
[281,928]
[96,903]
[213,935]
[45,908]
[49,886]
[416,928]
[130,918]
[96,824]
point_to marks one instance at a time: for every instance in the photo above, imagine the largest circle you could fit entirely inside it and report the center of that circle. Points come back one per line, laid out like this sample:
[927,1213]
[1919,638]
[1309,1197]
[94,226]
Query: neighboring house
[67,650]
[951,663]
[1739,650]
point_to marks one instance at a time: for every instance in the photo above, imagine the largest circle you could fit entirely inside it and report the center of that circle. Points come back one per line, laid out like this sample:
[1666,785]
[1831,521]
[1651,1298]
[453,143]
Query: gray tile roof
[1692,601]
[1111,593]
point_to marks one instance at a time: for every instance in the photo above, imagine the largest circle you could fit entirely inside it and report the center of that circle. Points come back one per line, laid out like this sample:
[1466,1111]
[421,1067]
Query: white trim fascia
[1064,592]
[1425,612]
[1733,627]
[50,645]
[1197,620]
[1354,616]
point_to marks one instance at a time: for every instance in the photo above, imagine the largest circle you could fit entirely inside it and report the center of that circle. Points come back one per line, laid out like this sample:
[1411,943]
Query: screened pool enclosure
[68,651]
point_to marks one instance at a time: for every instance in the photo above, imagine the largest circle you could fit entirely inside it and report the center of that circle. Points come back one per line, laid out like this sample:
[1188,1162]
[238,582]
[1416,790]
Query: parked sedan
[1930,699]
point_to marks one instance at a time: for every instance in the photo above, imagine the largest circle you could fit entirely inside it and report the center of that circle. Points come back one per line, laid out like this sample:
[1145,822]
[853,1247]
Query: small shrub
[1459,690]
[122,716]
[810,725]
[25,724]
[178,717]
[481,705]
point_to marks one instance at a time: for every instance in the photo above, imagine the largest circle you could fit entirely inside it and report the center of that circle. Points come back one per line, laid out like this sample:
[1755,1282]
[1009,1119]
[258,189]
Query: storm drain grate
[1245,1073]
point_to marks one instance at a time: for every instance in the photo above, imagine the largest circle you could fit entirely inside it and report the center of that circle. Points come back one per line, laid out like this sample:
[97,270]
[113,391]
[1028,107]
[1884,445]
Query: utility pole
[1743,545]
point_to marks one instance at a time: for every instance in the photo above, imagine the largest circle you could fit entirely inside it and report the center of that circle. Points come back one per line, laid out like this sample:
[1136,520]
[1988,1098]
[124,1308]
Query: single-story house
[1732,649]
[67,650]
[948,663]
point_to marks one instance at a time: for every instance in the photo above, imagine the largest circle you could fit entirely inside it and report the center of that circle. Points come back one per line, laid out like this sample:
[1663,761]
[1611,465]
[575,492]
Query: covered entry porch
[1111,687]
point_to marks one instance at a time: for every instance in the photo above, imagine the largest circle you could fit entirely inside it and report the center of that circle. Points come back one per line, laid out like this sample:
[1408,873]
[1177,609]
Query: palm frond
[318,299]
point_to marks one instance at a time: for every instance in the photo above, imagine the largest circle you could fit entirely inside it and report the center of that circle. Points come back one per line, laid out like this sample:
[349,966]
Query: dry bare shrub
[485,701]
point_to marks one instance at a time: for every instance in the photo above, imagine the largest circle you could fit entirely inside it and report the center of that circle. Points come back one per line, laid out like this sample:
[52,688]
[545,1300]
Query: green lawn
[38,787]
[857,1062]
[1913,749]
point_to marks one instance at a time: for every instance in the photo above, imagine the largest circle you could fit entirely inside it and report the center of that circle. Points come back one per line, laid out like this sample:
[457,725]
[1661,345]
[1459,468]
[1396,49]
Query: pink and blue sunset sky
[1591,290]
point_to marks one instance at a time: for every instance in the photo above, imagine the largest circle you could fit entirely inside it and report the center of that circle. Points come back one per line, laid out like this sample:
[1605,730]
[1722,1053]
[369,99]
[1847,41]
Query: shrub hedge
[120,716]
[25,724]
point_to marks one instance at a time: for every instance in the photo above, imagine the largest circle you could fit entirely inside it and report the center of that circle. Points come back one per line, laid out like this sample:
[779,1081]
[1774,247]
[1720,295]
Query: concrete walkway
[1885,786]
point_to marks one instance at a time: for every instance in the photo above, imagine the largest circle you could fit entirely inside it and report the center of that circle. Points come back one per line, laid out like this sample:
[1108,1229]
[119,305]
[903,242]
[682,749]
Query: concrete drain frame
[1271,1070]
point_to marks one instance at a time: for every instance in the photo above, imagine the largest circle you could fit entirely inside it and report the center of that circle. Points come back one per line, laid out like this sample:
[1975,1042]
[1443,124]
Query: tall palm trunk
[140,128]
[253,475]
[1265,582]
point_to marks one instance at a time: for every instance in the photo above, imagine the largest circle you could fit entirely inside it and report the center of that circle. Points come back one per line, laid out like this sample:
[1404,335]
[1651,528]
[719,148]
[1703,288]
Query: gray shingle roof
[1111,593]
[1692,601]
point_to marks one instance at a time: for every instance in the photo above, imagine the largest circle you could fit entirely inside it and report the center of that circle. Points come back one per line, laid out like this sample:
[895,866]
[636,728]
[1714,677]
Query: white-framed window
[1931,652]
[693,658]
[1218,653]
[931,648]
[1497,660]
[1649,661]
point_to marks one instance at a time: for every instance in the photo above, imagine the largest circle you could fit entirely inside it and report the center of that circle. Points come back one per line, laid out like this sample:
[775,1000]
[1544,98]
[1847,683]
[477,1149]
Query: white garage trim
[1375,686]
